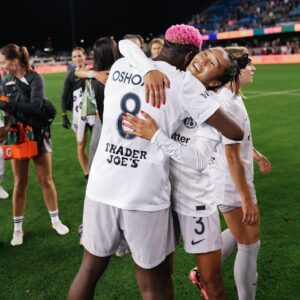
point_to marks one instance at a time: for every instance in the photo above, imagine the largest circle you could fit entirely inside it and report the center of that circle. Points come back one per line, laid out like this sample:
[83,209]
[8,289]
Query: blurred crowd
[246,14]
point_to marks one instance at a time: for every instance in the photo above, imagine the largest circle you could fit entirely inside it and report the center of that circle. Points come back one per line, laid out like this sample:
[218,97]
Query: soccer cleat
[195,279]
[17,239]
[60,228]
[3,193]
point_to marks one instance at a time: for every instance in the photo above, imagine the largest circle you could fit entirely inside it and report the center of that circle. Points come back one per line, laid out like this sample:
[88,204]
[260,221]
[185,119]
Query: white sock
[54,216]
[245,270]
[18,223]
[228,243]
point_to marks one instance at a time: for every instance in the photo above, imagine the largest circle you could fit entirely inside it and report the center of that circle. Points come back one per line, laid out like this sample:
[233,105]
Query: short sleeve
[195,99]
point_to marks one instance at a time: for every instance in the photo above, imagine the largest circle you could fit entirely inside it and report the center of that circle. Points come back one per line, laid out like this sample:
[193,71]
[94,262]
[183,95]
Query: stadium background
[45,265]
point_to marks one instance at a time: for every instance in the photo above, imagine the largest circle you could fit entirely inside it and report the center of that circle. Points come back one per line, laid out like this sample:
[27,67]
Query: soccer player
[71,99]
[193,199]
[232,173]
[128,191]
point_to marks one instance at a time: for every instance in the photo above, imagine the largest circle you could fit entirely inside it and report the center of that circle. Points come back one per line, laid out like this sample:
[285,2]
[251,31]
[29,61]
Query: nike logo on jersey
[197,242]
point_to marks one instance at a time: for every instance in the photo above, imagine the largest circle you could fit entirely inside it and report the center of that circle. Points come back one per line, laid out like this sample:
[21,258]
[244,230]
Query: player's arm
[223,122]
[203,107]
[194,156]
[154,80]
[262,161]
[237,171]
[100,76]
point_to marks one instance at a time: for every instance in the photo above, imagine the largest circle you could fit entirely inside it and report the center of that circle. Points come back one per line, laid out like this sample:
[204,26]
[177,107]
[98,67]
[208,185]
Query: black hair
[106,52]
[231,74]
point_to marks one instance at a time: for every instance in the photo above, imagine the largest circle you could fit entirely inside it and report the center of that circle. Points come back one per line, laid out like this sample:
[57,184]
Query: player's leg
[43,168]
[156,283]
[202,237]
[91,269]
[209,268]
[228,243]
[82,154]
[20,172]
[150,236]
[248,244]
[101,238]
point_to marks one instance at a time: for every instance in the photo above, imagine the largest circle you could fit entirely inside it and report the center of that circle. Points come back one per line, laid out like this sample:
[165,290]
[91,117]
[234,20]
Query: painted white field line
[286,92]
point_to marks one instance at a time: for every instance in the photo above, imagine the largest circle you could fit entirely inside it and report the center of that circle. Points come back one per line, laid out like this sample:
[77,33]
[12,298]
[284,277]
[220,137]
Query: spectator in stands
[25,89]
[155,47]
[71,99]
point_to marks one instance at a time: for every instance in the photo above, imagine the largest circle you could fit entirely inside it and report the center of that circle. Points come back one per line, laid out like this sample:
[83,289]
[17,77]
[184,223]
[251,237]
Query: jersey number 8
[124,108]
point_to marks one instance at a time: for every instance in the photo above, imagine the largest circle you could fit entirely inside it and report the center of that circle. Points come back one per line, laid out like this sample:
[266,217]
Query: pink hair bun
[184,35]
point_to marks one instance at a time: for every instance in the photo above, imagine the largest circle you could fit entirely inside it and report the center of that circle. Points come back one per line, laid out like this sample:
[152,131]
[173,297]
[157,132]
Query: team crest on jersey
[189,123]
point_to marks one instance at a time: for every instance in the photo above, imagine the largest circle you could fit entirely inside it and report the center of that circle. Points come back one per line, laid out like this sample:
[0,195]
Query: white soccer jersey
[191,188]
[129,172]
[79,122]
[225,189]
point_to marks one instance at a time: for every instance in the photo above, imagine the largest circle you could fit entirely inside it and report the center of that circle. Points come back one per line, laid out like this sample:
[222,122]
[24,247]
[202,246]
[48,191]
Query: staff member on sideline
[15,61]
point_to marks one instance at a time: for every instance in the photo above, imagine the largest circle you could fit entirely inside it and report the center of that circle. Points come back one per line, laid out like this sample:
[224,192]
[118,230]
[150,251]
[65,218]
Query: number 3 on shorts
[129,97]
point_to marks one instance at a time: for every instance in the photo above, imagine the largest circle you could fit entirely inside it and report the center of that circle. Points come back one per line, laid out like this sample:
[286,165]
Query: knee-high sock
[245,270]
[228,243]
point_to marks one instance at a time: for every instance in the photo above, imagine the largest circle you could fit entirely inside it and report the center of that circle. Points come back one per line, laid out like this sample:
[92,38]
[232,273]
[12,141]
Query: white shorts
[199,234]
[150,235]
[226,208]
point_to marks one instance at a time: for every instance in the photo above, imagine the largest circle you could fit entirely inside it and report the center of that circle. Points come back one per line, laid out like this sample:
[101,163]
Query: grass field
[45,265]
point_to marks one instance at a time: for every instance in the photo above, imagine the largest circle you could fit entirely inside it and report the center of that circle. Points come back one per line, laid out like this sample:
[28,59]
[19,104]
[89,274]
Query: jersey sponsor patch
[124,156]
[189,123]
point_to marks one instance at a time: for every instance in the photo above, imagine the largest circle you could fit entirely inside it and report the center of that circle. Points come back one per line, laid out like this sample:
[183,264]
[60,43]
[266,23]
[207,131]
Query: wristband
[90,74]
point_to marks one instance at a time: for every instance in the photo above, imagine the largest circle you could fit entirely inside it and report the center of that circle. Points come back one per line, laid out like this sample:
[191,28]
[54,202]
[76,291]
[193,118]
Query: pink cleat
[195,279]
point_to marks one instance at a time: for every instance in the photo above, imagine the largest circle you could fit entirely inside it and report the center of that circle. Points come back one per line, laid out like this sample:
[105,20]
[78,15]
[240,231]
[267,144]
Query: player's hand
[144,128]
[250,213]
[264,164]
[155,83]
[101,76]
[65,121]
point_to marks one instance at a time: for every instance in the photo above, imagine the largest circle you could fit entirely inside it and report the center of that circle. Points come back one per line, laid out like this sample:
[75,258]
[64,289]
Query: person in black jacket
[25,89]
[72,100]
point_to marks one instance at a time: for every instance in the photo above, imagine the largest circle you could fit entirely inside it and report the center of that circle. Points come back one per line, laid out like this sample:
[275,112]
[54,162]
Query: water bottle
[12,138]
[29,133]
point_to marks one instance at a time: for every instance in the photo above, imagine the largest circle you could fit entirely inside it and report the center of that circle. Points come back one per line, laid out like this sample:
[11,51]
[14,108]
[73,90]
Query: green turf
[45,265]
